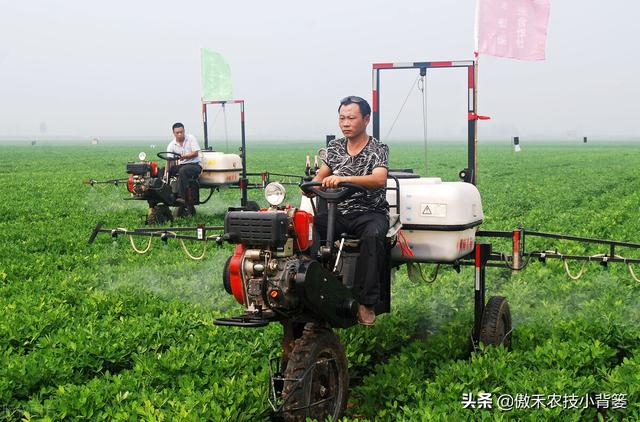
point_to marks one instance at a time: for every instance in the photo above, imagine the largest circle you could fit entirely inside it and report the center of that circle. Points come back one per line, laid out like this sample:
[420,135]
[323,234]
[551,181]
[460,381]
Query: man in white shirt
[188,167]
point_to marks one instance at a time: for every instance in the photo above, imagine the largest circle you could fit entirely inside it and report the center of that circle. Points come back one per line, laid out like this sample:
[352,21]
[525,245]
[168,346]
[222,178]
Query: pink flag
[512,28]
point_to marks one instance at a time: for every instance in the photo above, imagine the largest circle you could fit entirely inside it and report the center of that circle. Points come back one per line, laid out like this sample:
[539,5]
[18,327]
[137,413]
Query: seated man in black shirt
[363,160]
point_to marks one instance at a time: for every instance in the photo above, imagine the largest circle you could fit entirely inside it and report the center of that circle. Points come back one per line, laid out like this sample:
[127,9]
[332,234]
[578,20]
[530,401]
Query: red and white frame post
[472,116]
[243,183]
[482,253]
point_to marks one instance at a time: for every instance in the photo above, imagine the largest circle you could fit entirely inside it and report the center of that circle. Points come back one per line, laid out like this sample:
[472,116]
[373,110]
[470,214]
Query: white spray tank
[219,168]
[439,219]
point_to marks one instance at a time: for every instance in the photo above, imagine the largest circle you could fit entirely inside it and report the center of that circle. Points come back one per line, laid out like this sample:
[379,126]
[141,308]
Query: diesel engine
[262,272]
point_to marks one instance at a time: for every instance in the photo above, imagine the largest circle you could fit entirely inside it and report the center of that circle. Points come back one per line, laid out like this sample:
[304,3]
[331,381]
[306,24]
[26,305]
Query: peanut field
[99,332]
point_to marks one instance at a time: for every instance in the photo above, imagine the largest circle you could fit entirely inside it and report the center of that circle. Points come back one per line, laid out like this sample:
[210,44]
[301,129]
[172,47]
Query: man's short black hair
[177,125]
[365,108]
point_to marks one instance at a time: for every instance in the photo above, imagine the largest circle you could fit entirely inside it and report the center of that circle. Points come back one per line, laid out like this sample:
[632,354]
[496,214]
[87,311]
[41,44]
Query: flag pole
[475,92]
[476,28]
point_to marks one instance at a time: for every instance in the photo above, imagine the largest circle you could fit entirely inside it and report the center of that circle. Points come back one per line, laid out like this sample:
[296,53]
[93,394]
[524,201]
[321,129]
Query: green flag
[216,77]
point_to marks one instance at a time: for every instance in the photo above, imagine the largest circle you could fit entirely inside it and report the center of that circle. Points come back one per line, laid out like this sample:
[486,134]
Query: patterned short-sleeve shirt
[374,154]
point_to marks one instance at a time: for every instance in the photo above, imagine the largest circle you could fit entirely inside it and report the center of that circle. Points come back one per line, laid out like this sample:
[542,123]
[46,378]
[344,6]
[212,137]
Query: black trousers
[186,173]
[372,229]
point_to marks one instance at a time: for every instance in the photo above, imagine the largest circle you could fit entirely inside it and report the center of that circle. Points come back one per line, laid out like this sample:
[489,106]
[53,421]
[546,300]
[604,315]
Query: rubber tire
[159,214]
[316,344]
[496,323]
[187,210]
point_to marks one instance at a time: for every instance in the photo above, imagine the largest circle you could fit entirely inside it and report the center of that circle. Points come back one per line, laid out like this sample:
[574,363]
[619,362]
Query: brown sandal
[366,315]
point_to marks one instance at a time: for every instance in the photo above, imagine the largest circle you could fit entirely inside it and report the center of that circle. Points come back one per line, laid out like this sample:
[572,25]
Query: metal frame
[243,182]
[481,253]
[163,233]
[472,116]
[483,257]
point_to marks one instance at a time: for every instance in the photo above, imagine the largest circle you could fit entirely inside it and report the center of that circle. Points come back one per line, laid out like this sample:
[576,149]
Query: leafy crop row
[101,333]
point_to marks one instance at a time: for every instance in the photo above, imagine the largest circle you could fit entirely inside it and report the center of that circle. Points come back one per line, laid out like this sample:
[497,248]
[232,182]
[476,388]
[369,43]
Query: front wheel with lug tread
[496,322]
[322,391]
[187,210]
[159,214]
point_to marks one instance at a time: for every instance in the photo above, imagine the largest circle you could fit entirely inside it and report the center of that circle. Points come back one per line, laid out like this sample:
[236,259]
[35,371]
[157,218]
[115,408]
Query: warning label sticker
[433,210]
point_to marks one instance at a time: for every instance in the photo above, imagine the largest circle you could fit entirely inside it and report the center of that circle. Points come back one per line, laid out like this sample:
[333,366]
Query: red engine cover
[303,225]
[154,168]
[235,274]
[130,183]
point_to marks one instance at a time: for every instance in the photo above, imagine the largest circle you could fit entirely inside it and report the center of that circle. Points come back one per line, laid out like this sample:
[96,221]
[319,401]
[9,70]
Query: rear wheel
[159,214]
[316,379]
[496,322]
[185,211]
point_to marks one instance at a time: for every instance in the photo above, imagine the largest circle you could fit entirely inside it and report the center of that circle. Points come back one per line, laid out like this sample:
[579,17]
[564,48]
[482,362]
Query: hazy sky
[129,69]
